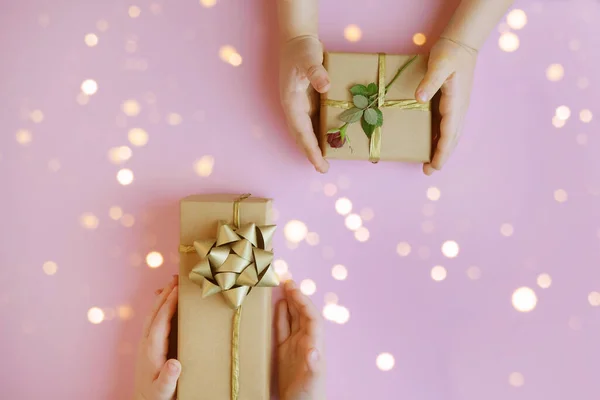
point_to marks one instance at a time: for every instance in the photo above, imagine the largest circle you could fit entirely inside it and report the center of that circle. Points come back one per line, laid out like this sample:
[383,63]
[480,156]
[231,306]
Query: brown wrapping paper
[406,134]
[205,325]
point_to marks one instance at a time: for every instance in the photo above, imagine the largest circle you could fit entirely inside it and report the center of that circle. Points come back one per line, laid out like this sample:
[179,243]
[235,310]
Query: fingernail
[313,356]
[158,291]
[173,367]
[421,95]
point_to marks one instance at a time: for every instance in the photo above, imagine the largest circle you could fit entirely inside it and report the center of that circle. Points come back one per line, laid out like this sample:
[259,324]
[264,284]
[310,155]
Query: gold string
[235,332]
[375,141]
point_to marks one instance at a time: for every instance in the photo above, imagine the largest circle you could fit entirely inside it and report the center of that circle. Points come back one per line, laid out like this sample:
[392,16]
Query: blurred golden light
[91,40]
[208,3]
[563,113]
[131,107]
[225,53]
[450,249]
[362,234]
[295,231]
[329,189]
[312,238]
[54,165]
[125,176]
[385,361]
[235,60]
[36,116]
[50,267]
[557,122]
[585,115]
[352,33]
[308,287]
[343,206]
[555,72]
[438,273]
[102,25]
[24,137]
[89,221]
[127,220]
[367,214]
[280,266]
[473,273]
[174,119]
[115,213]
[342,315]
[560,195]
[138,137]
[507,230]
[583,82]
[154,259]
[204,166]
[82,98]
[433,193]
[89,87]
[524,299]
[544,281]
[353,222]
[427,226]
[403,249]
[594,299]
[419,39]
[125,312]
[134,11]
[508,42]
[117,155]
[95,315]
[516,19]
[339,272]
[581,139]
[516,379]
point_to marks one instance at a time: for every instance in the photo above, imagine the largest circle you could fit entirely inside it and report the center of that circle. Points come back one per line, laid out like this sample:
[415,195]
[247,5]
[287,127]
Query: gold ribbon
[375,141]
[232,264]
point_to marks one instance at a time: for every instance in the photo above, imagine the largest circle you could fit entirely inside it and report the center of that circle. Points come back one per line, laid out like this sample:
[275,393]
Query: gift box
[225,310]
[370,111]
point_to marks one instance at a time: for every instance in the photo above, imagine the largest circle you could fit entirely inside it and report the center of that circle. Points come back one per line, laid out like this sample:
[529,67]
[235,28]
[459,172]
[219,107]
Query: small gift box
[370,112]
[225,310]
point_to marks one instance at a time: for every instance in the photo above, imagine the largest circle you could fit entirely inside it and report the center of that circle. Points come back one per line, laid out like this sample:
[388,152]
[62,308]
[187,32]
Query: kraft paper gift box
[401,129]
[225,263]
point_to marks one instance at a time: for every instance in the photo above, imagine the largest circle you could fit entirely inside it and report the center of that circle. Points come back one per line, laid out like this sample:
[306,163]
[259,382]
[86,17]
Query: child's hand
[156,378]
[451,67]
[301,65]
[300,348]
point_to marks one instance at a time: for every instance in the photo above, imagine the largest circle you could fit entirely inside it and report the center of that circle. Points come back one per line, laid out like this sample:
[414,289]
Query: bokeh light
[516,19]
[125,176]
[507,230]
[331,298]
[560,195]
[403,249]
[544,281]
[450,249]
[295,231]
[557,122]
[594,299]
[50,267]
[127,220]
[343,206]
[508,42]
[102,25]
[174,119]
[583,82]
[352,33]
[89,221]
[204,166]
[24,137]
[95,315]
[555,72]
[516,379]
[134,11]
[563,113]
[474,273]
[336,313]
[125,312]
[585,115]
[312,238]
[308,287]
[385,361]
[433,193]
[208,3]
[280,266]
[131,107]
[524,299]
[115,213]
[118,155]
[367,214]
[36,116]
[89,87]
[138,137]
[353,222]
[91,40]
[438,273]
[362,234]
[419,39]
[154,259]
[339,272]
[329,189]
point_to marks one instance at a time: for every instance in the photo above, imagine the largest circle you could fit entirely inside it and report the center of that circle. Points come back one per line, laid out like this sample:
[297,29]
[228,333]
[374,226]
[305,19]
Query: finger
[283,322]
[161,326]
[310,63]
[438,70]
[318,77]
[162,297]
[165,385]
[313,360]
[290,288]
[309,316]
[451,110]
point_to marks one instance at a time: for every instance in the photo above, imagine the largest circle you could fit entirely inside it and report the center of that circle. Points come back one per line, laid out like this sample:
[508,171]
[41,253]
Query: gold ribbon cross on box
[407,104]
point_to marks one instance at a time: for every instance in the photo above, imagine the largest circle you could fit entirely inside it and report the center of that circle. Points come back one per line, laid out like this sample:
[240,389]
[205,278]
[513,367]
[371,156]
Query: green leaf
[360,101]
[343,131]
[379,117]
[371,117]
[358,89]
[351,115]
[367,129]
[333,130]
[372,89]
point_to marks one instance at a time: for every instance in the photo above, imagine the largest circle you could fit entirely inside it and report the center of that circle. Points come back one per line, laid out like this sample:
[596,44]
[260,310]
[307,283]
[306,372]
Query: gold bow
[375,141]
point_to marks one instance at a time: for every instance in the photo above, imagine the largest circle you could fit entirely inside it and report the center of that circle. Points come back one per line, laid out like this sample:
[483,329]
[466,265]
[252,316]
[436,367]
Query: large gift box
[370,111]
[225,311]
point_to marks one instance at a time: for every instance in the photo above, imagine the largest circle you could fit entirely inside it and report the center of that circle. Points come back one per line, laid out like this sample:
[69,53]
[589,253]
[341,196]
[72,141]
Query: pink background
[456,339]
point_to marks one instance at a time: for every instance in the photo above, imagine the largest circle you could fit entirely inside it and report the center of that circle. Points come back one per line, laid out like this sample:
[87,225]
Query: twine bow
[232,264]
[410,104]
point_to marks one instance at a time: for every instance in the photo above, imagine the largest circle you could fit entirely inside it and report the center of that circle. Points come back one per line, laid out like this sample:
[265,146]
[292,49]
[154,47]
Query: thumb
[166,383]
[438,70]
[312,67]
